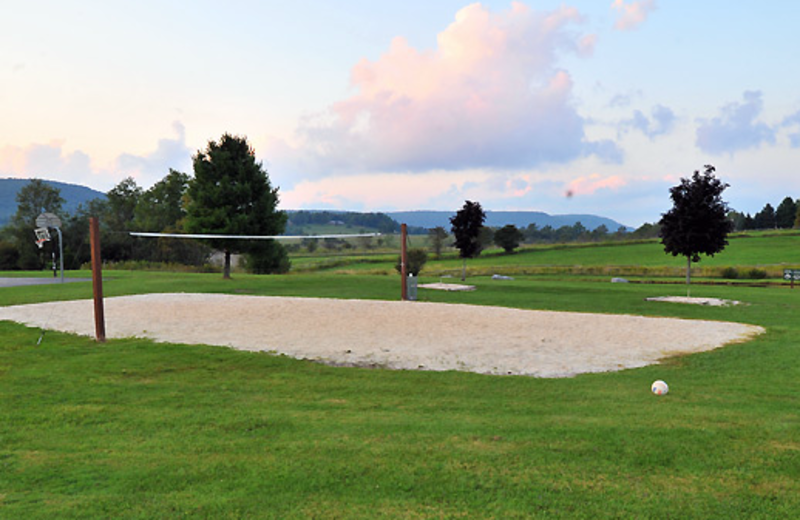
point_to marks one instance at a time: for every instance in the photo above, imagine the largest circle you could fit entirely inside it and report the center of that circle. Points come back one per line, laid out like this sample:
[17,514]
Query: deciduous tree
[697,223]
[32,199]
[508,237]
[466,226]
[436,237]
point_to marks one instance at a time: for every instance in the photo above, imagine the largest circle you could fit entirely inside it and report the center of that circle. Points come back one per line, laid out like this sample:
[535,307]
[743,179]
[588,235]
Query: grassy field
[769,252]
[134,429]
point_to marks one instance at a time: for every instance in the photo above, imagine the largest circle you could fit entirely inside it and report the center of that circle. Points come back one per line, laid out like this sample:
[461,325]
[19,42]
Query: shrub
[730,273]
[417,257]
[9,256]
[756,274]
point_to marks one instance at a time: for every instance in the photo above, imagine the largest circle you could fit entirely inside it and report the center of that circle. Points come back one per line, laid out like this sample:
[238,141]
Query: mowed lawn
[135,429]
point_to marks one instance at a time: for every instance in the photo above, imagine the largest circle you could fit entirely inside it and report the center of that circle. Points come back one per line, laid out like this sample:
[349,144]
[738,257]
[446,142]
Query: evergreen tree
[697,223]
[786,213]
[765,219]
[231,194]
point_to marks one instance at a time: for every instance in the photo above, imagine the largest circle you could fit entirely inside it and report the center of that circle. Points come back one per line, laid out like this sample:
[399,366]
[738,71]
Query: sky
[583,106]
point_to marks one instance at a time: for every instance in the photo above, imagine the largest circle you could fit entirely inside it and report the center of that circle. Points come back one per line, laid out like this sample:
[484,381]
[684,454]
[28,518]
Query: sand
[395,335]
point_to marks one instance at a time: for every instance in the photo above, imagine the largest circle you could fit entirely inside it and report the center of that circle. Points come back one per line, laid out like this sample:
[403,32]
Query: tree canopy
[231,194]
[698,222]
[508,237]
[32,199]
[466,226]
[436,237]
[786,213]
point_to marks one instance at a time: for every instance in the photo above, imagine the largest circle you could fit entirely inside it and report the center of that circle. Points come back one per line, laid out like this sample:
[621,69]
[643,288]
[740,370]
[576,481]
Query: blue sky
[576,107]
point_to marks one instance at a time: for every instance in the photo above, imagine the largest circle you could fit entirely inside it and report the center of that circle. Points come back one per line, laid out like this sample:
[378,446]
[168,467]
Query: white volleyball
[659,387]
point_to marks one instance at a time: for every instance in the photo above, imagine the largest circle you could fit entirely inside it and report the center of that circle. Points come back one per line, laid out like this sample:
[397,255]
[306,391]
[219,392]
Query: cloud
[736,128]
[51,161]
[661,122]
[384,191]
[631,15]
[490,95]
[45,161]
[588,185]
[793,120]
[150,168]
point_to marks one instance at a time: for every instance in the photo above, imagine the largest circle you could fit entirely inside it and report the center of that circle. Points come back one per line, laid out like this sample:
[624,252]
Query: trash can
[411,287]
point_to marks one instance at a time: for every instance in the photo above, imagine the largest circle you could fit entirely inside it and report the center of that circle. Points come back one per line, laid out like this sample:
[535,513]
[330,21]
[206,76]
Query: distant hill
[521,219]
[73,194]
[417,221]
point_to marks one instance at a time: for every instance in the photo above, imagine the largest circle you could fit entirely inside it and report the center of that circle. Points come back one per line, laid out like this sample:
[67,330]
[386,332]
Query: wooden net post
[403,262]
[97,280]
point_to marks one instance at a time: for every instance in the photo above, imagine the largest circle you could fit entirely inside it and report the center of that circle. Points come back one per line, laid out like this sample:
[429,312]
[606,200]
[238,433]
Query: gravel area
[396,335]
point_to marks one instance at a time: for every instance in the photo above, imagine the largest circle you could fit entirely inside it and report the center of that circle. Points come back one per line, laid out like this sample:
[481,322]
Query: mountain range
[75,194]
[495,219]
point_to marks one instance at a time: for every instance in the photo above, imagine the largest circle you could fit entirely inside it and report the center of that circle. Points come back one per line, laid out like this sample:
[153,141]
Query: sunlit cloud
[589,184]
[632,15]
[54,162]
[382,191]
[46,161]
[490,95]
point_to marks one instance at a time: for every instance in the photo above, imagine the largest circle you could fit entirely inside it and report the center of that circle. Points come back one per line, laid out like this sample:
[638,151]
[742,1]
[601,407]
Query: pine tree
[231,194]
[786,213]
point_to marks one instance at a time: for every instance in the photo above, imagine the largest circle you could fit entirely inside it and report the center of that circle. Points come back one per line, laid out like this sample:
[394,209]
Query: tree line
[786,216]
[379,221]
[229,194]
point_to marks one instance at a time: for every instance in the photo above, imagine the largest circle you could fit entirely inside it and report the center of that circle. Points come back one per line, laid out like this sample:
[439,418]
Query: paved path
[14,282]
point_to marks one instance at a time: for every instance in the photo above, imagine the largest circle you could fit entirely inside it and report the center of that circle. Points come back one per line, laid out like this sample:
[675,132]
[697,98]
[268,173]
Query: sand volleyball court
[395,335]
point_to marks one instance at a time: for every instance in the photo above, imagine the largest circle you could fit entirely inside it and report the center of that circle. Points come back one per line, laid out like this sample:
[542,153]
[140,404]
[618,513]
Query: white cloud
[152,167]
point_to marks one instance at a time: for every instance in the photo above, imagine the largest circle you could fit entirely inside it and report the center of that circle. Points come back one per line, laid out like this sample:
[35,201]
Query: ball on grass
[659,387]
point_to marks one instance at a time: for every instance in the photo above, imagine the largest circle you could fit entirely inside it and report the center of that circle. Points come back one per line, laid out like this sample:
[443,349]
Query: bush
[9,256]
[417,258]
[756,274]
[730,273]
[267,258]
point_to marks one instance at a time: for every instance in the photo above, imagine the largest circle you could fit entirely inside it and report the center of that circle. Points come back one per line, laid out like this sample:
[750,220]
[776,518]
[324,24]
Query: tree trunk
[464,270]
[226,271]
[688,275]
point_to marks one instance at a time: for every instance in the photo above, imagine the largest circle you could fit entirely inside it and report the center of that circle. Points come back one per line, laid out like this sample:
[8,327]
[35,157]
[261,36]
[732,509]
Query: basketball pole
[97,280]
[403,262]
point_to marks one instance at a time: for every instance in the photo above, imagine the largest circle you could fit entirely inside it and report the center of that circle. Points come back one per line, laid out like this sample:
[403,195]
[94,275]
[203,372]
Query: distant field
[771,252]
[135,429]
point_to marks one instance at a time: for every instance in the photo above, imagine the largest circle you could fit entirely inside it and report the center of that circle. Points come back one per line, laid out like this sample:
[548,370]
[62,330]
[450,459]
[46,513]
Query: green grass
[134,429]
[770,252]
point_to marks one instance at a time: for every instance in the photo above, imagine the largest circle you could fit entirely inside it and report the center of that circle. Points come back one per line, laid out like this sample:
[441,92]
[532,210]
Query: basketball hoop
[42,236]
